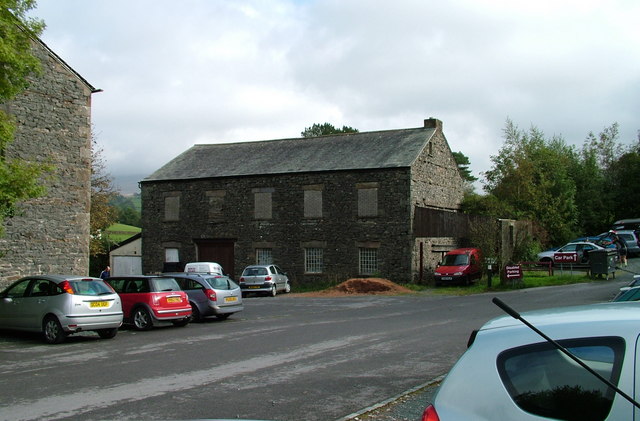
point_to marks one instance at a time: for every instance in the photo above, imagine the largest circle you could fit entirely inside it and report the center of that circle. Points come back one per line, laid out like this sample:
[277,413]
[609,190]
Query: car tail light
[267,278]
[430,414]
[66,286]
[241,279]
[211,294]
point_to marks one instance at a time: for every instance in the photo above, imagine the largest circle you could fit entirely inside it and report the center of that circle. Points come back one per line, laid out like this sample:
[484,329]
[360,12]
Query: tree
[19,179]
[530,175]
[463,165]
[325,129]
[102,213]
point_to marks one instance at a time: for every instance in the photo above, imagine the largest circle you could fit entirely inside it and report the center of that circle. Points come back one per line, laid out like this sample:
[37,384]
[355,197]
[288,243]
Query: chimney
[433,123]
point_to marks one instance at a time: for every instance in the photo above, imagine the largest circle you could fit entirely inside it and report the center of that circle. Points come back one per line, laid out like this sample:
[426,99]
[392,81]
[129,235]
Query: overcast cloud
[177,73]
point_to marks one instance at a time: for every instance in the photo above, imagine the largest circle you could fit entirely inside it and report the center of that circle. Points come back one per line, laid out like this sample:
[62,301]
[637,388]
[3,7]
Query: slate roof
[354,151]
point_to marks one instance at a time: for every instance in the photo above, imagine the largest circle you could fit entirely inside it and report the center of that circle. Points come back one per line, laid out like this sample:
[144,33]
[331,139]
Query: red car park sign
[567,257]
[513,271]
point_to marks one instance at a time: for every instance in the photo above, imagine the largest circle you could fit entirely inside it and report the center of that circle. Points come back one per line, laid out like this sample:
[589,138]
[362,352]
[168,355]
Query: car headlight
[457,274]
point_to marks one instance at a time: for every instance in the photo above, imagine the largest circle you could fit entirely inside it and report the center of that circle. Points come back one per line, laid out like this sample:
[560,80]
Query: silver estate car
[269,279]
[510,372]
[59,305]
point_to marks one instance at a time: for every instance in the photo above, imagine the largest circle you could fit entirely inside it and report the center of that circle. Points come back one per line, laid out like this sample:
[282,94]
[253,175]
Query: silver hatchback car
[510,372]
[269,279]
[59,305]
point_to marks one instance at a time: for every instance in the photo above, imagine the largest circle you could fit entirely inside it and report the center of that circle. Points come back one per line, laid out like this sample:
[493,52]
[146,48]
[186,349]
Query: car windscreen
[91,287]
[165,284]
[543,381]
[456,260]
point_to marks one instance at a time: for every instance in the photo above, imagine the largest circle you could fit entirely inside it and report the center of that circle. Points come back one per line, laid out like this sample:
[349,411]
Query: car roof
[60,278]
[572,317]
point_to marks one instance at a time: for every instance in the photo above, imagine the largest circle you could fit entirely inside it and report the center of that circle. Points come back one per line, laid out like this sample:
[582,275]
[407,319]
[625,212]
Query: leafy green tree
[530,176]
[103,214]
[325,129]
[19,179]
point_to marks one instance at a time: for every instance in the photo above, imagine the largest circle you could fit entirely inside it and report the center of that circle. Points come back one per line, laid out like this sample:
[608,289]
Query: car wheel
[52,329]
[196,316]
[223,316]
[287,288]
[108,333]
[181,323]
[273,291]
[142,319]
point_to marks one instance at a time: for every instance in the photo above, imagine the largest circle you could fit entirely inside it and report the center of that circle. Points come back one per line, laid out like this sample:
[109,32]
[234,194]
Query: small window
[262,205]
[368,261]
[367,202]
[264,256]
[543,381]
[313,260]
[171,255]
[313,203]
[172,208]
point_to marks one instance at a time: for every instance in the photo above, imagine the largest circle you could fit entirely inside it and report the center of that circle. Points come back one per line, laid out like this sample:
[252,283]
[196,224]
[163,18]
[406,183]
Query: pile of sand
[355,286]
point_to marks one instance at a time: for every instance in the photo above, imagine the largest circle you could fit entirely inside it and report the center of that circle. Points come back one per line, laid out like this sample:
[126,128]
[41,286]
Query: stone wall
[51,234]
[340,231]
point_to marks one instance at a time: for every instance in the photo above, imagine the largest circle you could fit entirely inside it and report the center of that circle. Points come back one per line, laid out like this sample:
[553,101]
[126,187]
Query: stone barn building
[50,234]
[324,209]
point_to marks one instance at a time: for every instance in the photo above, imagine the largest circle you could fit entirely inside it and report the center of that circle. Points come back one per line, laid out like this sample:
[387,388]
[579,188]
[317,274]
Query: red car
[461,266]
[147,300]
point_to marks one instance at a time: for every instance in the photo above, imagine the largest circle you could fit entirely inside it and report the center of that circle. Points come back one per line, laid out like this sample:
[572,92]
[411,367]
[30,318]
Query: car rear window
[545,382]
[255,272]
[165,284]
[91,287]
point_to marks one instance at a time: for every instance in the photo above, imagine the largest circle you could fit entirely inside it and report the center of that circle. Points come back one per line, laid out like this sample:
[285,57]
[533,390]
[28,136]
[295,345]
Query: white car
[264,279]
[510,372]
[581,248]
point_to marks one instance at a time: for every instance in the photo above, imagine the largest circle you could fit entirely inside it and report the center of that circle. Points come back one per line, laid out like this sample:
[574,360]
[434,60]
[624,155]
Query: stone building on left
[50,234]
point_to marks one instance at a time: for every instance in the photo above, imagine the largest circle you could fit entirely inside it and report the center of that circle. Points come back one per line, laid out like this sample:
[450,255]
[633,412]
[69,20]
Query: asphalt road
[283,358]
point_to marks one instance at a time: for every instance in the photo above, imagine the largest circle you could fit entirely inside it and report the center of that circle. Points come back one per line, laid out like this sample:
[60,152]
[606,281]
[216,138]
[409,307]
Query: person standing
[105,273]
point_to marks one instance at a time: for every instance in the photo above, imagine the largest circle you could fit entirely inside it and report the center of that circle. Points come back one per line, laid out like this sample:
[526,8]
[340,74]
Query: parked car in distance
[148,300]
[626,224]
[581,248]
[266,279]
[60,305]
[631,240]
[210,295]
[509,372]
[210,268]
[461,265]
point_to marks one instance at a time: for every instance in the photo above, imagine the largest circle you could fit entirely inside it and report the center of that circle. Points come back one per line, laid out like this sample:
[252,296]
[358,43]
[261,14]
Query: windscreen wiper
[511,312]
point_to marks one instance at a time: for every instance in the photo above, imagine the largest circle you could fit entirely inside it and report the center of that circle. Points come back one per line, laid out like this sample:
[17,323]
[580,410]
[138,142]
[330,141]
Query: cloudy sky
[177,73]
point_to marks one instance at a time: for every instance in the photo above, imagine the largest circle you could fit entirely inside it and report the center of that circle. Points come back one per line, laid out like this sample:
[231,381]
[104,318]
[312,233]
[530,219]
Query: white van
[211,268]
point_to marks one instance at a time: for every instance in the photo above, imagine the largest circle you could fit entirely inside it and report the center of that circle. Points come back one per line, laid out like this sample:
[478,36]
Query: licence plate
[230,299]
[447,278]
[174,299]
[94,304]
[254,286]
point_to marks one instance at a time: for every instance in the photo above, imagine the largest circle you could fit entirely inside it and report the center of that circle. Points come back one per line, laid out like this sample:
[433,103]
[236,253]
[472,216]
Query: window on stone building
[171,255]
[264,256]
[367,200]
[313,201]
[262,204]
[313,262]
[368,260]
[172,207]
[215,202]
